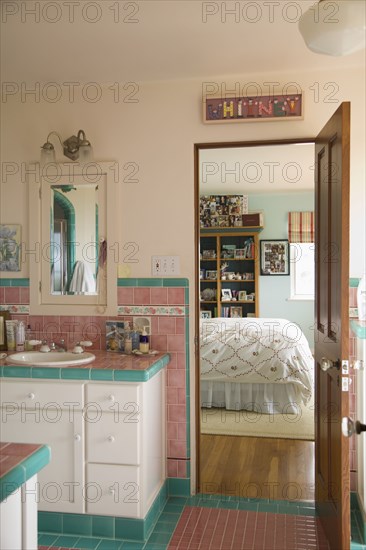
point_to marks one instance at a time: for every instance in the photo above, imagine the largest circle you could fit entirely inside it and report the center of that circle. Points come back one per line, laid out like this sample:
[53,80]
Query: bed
[258,364]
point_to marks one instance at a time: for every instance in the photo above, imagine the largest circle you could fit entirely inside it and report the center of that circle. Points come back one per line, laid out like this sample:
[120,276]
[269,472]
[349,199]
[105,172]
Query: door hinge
[345,383]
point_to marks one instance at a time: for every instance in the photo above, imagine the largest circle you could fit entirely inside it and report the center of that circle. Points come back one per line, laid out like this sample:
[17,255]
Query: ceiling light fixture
[74,148]
[334,28]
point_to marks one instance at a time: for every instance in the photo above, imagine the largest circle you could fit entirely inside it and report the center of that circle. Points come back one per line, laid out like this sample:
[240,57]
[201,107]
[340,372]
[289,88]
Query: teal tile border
[358,329]
[179,486]
[71,373]
[30,466]
[14,282]
[145,282]
[357,518]
[116,528]
[354,282]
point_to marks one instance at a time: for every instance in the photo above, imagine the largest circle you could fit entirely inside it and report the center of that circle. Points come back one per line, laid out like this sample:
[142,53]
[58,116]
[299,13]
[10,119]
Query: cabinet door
[113,490]
[61,482]
[114,439]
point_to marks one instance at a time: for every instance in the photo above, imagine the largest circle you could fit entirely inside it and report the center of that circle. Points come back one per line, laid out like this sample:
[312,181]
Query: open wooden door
[332,154]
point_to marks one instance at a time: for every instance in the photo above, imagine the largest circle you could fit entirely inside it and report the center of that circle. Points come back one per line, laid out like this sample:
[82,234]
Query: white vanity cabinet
[125,448]
[107,441]
[39,411]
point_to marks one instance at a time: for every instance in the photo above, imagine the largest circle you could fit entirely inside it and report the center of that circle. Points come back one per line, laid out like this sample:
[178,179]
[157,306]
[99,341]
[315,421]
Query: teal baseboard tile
[179,487]
[358,525]
[353,282]
[115,528]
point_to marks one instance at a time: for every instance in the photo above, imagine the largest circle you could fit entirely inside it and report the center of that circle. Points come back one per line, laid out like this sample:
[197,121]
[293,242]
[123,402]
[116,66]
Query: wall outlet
[165,266]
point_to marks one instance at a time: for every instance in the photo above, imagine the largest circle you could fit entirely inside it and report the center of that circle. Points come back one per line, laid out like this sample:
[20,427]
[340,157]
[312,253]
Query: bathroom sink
[51,359]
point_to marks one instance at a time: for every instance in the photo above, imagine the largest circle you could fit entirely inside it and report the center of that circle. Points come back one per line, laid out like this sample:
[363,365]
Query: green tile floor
[168,519]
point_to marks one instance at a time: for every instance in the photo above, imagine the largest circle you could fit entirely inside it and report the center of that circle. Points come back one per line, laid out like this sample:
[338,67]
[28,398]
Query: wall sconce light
[75,147]
[334,28]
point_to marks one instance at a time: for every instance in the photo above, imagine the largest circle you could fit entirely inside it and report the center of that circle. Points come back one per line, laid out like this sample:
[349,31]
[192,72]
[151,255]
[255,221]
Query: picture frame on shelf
[226,295]
[239,253]
[209,254]
[274,257]
[211,274]
[242,296]
[236,312]
[206,314]
[202,273]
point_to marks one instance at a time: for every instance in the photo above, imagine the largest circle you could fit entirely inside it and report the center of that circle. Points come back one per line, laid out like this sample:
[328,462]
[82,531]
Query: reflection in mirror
[74,239]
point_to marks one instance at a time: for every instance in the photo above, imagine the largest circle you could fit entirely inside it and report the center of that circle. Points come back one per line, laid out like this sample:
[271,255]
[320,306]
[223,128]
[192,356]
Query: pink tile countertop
[106,366]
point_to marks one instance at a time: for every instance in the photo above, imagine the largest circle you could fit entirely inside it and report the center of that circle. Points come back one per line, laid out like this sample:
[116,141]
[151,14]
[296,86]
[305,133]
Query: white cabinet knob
[31,395]
[77,437]
[111,438]
[111,398]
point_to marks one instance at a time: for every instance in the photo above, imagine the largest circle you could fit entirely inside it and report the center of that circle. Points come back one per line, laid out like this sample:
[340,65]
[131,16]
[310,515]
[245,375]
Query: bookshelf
[229,271]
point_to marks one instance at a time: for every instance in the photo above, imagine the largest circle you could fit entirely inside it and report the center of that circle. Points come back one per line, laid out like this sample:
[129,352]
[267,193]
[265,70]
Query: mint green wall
[275,291]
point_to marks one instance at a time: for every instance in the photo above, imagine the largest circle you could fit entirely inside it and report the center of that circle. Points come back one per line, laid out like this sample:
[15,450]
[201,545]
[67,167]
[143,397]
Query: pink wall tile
[24,295]
[177,378]
[182,398]
[154,325]
[182,468]
[172,467]
[12,295]
[172,396]
[166,325]
[172,430]
[353,480]
[176,413]
[141,296]
[159,342]
[177,449]
[181,360]
[173,361]
[176,296]
[125,296]
[176,343]
[353,297]
[159,296]
[180,325]
[2,295]
[182,431]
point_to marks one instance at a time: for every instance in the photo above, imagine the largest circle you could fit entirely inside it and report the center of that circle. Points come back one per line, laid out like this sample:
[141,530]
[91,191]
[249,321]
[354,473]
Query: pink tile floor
[219,529]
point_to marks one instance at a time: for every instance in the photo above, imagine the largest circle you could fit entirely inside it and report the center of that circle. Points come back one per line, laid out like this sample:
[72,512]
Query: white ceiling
[154,40]
[253,170]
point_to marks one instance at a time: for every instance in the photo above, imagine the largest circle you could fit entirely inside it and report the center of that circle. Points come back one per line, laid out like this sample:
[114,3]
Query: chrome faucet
[58,346]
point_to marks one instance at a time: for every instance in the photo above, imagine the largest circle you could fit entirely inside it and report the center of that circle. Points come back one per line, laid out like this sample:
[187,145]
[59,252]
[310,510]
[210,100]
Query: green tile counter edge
[23,471]
[75,373]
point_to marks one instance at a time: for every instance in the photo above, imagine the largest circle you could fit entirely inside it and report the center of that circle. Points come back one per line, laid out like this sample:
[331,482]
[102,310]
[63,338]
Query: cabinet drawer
[38,394]
[114,397]
[114,439]
[112,490]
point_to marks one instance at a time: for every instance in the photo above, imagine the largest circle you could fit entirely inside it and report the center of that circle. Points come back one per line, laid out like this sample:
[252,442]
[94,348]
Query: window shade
[301,227]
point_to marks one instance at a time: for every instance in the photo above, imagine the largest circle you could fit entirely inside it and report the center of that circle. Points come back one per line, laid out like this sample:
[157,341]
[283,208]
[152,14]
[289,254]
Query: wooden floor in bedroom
[257,467]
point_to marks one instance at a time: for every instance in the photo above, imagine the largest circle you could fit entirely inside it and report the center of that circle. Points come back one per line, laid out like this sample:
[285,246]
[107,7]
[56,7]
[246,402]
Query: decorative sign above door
[253,109]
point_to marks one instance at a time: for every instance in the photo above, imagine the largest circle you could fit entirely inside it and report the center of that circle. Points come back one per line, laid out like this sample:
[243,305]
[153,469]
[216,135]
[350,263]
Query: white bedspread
[256,351]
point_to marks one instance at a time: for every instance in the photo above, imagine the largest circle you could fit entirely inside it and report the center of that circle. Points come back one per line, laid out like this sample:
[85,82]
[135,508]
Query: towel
[82,279]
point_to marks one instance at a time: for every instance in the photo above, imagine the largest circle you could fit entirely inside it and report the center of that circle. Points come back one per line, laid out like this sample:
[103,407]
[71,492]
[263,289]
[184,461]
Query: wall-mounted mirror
[72,219]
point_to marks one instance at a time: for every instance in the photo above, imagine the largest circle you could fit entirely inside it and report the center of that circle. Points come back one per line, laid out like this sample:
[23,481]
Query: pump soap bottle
[144,341]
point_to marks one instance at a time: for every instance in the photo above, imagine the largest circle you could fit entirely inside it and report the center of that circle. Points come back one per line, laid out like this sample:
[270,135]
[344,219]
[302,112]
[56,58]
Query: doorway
[255,465]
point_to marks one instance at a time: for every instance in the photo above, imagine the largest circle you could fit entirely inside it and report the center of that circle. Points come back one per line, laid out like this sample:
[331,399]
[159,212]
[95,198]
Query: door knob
[349,427]
[326,364]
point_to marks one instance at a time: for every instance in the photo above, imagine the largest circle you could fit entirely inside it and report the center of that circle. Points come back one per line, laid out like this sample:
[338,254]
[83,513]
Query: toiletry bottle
[28,338]
[361,298]
[128,339]
[20,336]
[144,341]
[135,336]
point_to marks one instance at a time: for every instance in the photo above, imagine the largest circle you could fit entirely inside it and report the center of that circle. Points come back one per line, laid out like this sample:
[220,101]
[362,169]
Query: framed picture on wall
[274,257]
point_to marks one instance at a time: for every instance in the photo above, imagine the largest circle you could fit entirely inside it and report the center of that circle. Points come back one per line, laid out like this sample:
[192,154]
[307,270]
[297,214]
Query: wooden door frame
[197,148]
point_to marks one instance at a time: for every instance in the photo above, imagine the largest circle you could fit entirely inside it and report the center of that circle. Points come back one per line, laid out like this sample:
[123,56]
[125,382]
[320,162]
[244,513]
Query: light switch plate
[165,266]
